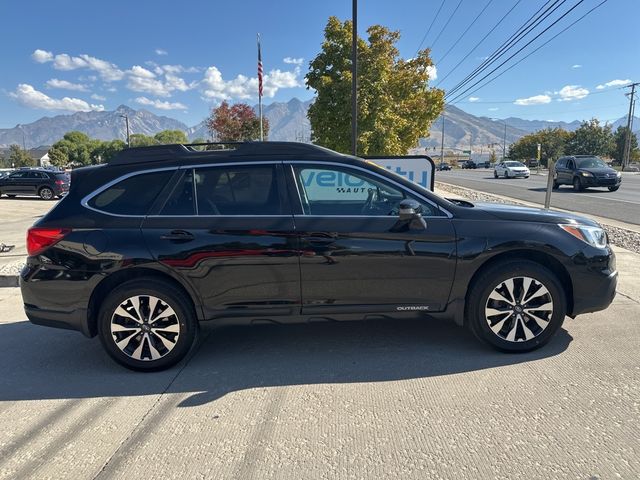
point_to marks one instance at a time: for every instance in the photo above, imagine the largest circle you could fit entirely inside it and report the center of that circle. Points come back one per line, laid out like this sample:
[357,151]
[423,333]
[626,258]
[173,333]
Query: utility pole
[504,141]
[627,139]
[126,118]
[354,77]
[442,145]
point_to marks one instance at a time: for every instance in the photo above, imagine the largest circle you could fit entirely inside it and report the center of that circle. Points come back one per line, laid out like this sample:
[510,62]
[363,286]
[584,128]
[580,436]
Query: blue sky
[180,59]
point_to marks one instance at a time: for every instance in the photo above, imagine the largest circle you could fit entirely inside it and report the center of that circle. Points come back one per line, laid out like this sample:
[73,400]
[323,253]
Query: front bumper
[594,280]
[601,182]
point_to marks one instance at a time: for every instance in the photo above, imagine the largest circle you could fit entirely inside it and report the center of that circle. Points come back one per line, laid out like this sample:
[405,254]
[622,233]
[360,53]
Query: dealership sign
[416,168]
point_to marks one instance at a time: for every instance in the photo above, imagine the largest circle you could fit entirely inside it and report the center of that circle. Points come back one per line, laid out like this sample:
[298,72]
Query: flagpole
[260,89]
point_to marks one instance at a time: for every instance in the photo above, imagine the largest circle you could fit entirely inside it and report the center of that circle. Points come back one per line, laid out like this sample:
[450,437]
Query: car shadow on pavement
[41,363]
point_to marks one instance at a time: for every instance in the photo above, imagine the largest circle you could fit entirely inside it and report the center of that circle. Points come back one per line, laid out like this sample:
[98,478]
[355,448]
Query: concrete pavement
[363,400]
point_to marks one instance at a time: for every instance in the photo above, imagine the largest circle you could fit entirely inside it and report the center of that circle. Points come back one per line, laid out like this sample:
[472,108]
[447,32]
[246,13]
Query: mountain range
[287,120]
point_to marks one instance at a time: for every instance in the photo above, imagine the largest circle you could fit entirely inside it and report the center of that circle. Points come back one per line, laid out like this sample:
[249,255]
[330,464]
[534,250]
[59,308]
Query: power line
[536,49]
[433,44]
[479,43]
[465,32]
[515,38]
[519,50]
[429,29]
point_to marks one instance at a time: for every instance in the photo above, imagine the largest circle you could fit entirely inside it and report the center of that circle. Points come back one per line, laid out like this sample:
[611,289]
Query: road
[623,205]
[380,400]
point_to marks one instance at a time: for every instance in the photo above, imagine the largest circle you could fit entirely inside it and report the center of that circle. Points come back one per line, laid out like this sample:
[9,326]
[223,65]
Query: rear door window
[237,190]
[133,195]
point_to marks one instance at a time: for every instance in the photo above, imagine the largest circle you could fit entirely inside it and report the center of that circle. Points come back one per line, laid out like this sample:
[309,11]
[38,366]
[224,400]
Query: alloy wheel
[145,328]
[519,309]
[46,194]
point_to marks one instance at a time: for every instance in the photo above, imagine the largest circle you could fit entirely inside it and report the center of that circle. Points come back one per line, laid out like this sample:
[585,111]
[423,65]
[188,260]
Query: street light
[504,138]
[126,117]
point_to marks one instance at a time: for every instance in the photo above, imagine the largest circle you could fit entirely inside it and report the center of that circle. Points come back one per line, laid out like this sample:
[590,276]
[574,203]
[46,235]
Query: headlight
[586,174]
[619,175]
[594,236]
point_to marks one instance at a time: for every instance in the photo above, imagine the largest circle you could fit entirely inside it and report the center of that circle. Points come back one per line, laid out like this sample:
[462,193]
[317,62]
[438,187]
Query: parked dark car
[469,164]
[34,182]
[144,248]
[583,171]
[444,166]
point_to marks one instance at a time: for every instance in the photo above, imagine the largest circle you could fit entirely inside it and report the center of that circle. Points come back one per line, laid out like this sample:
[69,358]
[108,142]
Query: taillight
[39,239]
[59,182]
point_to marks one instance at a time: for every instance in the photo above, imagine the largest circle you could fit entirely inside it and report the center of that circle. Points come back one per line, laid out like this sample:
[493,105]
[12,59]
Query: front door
[227,231]
[355,257]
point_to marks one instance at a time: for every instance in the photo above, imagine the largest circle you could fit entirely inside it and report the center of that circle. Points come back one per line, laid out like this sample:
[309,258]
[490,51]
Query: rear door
[228,231]
[17,183]
[354,257]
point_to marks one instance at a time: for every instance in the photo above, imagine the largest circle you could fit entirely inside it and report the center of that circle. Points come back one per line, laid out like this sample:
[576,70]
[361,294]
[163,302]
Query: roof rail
[166,152]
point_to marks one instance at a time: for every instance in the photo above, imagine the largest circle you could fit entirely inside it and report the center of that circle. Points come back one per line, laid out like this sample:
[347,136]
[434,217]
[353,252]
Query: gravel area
[617,236]
[11,267]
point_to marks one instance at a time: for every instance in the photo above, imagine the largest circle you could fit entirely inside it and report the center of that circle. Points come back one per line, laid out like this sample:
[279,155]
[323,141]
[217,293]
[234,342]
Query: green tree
[105,151]
[395,104]
[75,148]
[142,140]
[19,158]
[171,136]
[552,145]
[619,138]
[235,123]
[591,139]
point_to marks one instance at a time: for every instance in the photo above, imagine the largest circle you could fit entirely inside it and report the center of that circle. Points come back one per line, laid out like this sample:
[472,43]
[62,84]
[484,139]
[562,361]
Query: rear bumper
[68,320]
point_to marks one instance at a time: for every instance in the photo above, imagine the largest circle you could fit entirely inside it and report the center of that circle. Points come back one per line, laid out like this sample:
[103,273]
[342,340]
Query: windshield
[590,162]
[514,164]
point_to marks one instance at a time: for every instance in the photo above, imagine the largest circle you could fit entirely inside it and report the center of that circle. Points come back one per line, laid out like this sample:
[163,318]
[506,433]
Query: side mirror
[410,215]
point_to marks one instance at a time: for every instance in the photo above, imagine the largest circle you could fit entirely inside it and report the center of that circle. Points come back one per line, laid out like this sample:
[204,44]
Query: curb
[9,281]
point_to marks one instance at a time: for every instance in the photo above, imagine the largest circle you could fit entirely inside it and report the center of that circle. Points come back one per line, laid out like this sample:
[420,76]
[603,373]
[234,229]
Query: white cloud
[572,92]
[293,61]
[215,87]
[138,71]
[474,99]
[614,83]
[107,71]
[535,100]
[55,83]
[30,97]
[100,98]
[42,56]
[432,71]
[493,109]
[576,66]
[160,51]
[159,104]
[148,85]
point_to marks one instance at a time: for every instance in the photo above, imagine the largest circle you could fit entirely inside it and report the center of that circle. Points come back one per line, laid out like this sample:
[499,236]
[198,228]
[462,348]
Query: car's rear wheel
[516,306]
[11,195]
[614,189]
[577,184]
[147,325]
[45,193]
[495,174]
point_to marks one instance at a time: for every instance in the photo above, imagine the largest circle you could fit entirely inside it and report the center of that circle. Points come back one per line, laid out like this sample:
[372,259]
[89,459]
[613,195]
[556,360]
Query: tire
[614,189]
[170,343]
[577,184]
[11,196]
[518,331]
[506,174]
[495,174]
[555,185]
[46,193]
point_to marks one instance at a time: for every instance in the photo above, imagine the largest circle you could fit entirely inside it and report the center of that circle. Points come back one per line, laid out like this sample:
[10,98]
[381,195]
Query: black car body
[286,232]
[444,166]
[45,184]
[469,164]
[583,171]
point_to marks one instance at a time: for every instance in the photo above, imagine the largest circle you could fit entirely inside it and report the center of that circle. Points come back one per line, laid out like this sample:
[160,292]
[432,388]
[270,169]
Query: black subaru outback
[144,248]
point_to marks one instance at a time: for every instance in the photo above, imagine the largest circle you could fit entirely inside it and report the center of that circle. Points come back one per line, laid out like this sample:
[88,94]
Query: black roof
[223,150]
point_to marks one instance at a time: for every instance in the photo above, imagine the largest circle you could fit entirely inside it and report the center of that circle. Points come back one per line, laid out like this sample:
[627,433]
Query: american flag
[259,69]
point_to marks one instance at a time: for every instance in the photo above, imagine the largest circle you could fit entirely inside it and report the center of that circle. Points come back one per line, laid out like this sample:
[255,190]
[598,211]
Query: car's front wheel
[516,306]
[577,184]
[147,325]
[506,174]
[614,189]
[495,174]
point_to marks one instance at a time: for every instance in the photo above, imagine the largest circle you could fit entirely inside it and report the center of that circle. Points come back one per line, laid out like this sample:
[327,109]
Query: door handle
[320,240]
[178,236]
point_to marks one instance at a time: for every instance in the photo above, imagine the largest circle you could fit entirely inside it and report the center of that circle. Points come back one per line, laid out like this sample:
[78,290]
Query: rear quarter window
[133,195]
